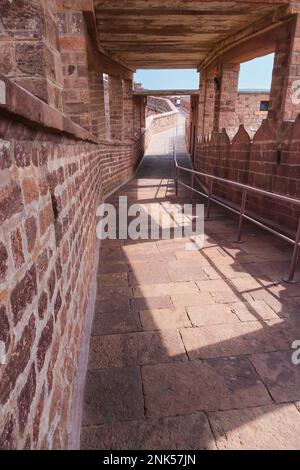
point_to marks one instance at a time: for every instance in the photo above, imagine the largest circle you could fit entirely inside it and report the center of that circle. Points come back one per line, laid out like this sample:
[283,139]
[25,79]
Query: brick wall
[271,161]
[49,189]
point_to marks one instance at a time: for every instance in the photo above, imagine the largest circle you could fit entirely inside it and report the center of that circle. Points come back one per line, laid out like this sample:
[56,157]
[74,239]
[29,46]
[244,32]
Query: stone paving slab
[149,303]
[190,299]
[279,374]
[164,319]
[123,321]
[235,339]
[136,349]
[216,384]
[190,432]
[261,428]
[202,315]
[113,394]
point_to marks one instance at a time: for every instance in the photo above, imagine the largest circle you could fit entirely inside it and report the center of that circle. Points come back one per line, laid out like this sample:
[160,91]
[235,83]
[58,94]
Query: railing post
[210,188]
[290,278]
[192,185]
[242,213]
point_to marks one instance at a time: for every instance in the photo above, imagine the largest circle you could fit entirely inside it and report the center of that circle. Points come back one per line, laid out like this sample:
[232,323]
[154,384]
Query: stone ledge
[18,101]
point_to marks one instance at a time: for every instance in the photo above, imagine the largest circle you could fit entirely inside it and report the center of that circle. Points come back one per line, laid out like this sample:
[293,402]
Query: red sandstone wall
[157,105]
[49,190]
[270,162]
[185,103]
[248,110]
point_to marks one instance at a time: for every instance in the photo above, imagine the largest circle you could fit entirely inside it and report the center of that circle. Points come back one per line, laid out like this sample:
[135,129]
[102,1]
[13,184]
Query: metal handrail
[290,278]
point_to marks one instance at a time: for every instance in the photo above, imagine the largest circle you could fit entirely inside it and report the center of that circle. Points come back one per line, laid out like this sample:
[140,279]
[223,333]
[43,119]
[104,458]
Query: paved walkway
[192,350]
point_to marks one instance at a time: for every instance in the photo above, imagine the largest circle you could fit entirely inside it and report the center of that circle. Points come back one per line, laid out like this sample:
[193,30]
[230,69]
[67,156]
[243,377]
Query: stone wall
[185,103]
[248,110]
[157,105]
[29,48]
[50,188]
[160,123]
[270,161]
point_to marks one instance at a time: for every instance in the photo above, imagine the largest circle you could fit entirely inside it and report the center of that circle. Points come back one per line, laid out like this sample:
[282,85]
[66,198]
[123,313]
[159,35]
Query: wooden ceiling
[172,33]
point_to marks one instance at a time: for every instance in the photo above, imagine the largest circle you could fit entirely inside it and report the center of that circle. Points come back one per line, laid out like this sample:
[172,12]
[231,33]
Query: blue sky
[256,74]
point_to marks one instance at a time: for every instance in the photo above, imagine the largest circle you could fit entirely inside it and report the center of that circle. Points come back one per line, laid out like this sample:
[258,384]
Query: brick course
[270,162]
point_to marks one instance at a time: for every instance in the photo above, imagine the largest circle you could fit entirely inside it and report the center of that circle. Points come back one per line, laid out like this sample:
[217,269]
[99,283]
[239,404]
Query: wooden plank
[264,26]
[165,92]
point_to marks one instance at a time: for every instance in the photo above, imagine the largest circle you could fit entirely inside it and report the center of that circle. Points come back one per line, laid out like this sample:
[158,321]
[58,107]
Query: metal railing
[290,277]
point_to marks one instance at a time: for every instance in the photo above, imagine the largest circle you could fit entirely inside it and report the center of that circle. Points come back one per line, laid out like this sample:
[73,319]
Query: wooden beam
[76,5]
[105,64]
[91,25]
[265,25]
[165,92]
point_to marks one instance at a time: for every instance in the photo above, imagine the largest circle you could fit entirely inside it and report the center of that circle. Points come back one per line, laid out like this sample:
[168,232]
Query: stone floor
[192,349]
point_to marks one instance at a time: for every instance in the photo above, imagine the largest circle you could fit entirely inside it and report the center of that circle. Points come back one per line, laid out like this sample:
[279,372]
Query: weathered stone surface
[31,231]
[3,262]
[10,201]
[135,349]
[252,311]
[57,305]
[17,360]
[164,319]
[189,299]
[279,374]
[26,397]
[46,218]
[111,279]
[149,303]
[17,248]
[8,437]
[211,315]
[113,304]
[260,428]
[44,343]
[113,394]
[51,284]
[116,322]
[235,339]
[165,289]
[23,294]
[37,417]
[30,190]
[110,293]
[42,305]
[22,154]
[30,58]
[5,157]
[4,327]
[215,384]
[190,432]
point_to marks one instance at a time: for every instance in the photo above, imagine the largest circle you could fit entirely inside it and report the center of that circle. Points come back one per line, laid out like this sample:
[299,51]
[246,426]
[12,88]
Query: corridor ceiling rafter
[152,34]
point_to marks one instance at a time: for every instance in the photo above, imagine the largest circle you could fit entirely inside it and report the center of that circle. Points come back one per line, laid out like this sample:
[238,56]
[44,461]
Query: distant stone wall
[157,105]
[248,110]
[185,103]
